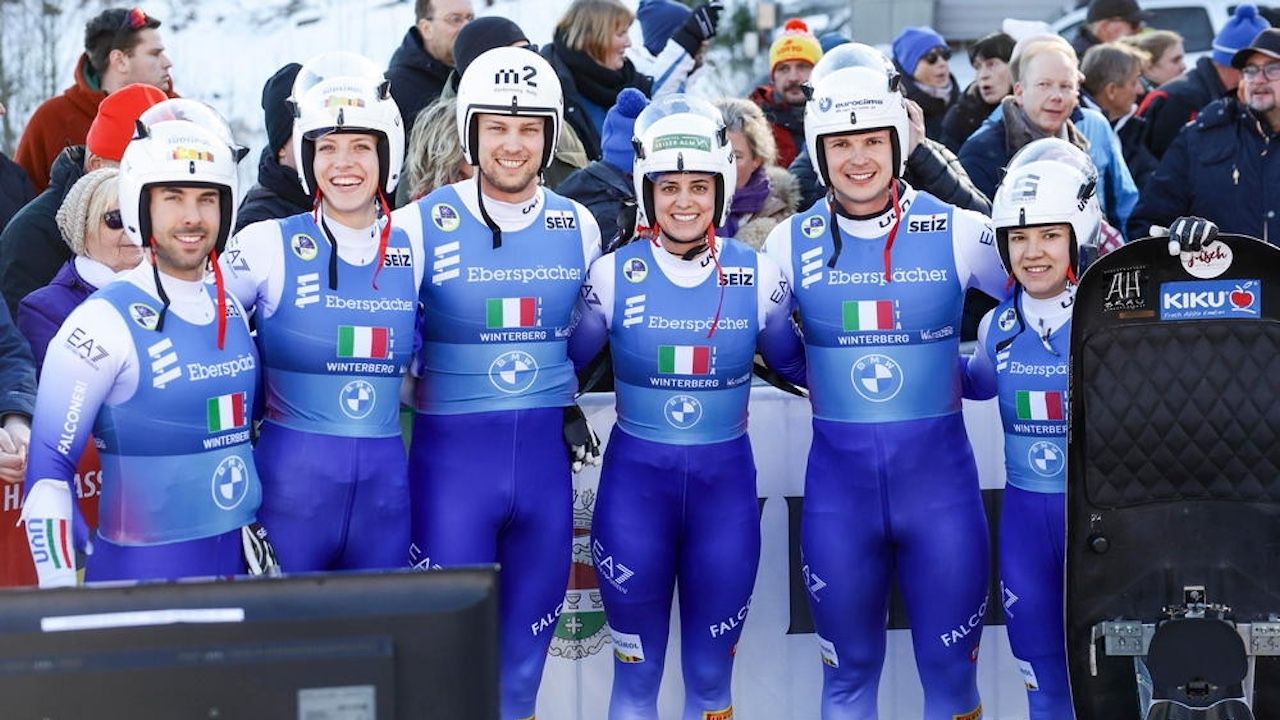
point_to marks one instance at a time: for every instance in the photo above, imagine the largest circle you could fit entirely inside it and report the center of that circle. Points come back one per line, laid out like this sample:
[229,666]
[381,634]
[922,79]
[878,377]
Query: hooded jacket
[417,78]
[782,203]
[60,122]
[31,246]
[278,193]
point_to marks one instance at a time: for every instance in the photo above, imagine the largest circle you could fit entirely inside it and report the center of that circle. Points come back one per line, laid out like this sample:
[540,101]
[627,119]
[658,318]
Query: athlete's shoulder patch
[304,246]
[144,315]
[813,226]
[445,217]
[1007,319]
[635,270]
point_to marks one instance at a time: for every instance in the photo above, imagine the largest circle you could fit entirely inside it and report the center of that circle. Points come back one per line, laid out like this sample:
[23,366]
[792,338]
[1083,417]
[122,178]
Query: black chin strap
[333,253]
[164,296]
[493,226]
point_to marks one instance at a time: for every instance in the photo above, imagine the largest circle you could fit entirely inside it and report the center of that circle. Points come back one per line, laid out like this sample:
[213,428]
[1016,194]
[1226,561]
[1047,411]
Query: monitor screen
[350,646]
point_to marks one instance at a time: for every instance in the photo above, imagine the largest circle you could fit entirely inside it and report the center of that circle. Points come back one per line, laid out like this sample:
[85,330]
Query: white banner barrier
[777,674]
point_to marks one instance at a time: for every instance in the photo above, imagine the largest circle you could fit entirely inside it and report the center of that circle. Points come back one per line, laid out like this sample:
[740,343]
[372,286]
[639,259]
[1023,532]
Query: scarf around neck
[596,82]
[748,200]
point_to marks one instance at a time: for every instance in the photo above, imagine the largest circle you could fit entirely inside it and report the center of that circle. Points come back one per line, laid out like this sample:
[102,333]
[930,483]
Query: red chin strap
[222,298]
[714,249]
[893,230]
[1071,275]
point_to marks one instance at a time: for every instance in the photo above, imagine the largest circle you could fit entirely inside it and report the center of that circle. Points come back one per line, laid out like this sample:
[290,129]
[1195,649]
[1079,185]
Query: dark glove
[699,27]
[1192,234]
[582,442]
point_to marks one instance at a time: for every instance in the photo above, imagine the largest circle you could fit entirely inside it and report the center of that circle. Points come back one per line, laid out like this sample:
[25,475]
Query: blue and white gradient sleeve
[977,260]
[980,374]
[90,361]
[594,313]
[779,342]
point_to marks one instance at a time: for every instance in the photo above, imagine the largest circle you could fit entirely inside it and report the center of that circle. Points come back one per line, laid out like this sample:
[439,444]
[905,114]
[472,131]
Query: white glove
[47,514]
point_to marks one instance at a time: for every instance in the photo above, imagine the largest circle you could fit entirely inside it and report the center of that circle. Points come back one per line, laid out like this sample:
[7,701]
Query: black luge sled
[1173,489]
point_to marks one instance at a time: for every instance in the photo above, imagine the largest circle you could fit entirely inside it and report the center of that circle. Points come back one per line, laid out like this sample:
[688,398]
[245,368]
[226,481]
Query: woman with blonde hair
[90,223]
[434,158]
[765,194]
[589,54]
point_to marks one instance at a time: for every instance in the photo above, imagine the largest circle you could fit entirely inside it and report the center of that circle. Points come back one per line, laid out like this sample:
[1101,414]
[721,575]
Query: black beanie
[482,35]
[279,116]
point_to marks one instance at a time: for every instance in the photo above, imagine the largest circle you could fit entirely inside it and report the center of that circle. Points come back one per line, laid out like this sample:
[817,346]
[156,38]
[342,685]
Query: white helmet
[678,133]
[196,112]
[1049,182]
[854,89]
[509,81]
[342,92]
[175,152]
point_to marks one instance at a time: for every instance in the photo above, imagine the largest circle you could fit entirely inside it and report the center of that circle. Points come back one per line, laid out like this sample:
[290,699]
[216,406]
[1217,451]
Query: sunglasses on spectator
[135,19]
[936,54]
[1270,71]
[113,220]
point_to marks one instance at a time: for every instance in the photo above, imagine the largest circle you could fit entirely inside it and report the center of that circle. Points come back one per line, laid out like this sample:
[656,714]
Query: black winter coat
[278,193]
[31,246]
[15,189]
[1225,166]
[935,109]
[964,117]
[607,193]
[417,78]
[1172,105]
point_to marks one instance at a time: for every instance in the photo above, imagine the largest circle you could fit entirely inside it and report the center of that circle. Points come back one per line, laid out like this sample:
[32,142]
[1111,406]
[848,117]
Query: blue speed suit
[891,489]
[489,472]
[170,412]
[677,502]
[334,350]
[1022,358]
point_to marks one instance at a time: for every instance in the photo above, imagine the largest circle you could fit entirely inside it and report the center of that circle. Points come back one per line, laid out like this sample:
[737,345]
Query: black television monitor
[349,646]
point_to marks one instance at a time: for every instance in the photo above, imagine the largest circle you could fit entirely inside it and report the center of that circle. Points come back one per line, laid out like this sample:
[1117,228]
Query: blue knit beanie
[832,39]
[914,43]
[619,127]
[1240,30]
[659,20]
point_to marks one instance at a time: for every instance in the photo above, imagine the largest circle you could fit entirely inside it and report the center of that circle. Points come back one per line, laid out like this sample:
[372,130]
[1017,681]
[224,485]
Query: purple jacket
[42,311]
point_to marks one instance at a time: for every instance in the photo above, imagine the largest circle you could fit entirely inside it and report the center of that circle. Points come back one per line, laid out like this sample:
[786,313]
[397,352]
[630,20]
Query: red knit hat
[114,125]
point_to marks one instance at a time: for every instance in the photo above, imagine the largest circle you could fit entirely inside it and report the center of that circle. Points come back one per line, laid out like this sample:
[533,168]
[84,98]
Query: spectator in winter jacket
[15,187]
[121,47]
[1112,81]
[1225,165]
[31,247]
[1107,21]
[1171,106]
[278,193]
[589,54]
[991,84]
[923,58]
[89,222]
[605,187]
[791,60]
[420,67]
[765,194]
[1168,57]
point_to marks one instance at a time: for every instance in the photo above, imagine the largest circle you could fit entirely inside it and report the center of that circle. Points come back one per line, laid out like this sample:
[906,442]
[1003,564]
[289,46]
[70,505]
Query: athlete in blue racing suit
[160,366]
[1043,213]
[335,297]
[489,474]
[684,314]
[879,273]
